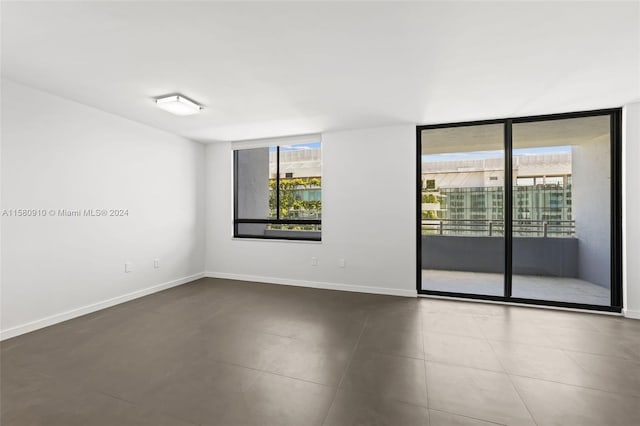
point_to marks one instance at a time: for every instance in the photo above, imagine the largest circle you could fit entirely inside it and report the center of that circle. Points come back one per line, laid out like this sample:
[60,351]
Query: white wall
[59,154]
[368,204]
[631,207]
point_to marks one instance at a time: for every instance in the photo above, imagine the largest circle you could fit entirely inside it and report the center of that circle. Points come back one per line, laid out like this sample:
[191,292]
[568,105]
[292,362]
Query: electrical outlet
[156,263]
[128,267]
[341,263]
[314,261]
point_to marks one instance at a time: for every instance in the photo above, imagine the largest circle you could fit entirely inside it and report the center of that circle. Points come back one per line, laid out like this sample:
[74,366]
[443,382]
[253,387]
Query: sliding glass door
[562,210]
[524,210]
[462,209]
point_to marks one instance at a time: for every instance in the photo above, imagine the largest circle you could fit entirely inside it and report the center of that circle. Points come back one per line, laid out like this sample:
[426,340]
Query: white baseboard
[64,316]
[313,284]
[631,314]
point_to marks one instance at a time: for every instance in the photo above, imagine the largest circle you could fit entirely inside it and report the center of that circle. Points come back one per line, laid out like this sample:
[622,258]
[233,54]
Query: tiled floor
[538,287]
[218,352]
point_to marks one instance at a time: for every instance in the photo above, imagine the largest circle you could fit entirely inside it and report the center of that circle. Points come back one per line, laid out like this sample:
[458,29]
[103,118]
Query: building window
[269,202]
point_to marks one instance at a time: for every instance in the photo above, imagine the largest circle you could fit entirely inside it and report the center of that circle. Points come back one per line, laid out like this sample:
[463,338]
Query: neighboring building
[296,163]
[472,190]
[303,165]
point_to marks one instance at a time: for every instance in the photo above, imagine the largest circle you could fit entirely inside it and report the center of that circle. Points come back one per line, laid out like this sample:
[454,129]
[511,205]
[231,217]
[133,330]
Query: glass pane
[561,210]
[252,189]
[300,181]
[462,209]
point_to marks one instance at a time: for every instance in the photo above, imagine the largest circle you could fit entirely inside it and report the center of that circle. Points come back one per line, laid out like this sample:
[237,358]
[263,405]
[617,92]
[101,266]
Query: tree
[429,198]
[292,204]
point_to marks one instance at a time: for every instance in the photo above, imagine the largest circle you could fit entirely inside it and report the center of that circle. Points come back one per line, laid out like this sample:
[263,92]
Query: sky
[297,147]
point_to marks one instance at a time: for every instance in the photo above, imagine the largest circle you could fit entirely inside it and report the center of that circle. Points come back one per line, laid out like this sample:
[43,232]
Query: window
[555,220]
[270,202]
[431,184]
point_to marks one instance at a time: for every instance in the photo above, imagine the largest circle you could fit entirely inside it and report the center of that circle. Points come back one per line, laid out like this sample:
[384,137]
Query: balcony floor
[558,289]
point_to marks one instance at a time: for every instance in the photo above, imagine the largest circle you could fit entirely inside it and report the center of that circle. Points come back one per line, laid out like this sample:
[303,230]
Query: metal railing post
[441,222]
[490,228]
[544,229]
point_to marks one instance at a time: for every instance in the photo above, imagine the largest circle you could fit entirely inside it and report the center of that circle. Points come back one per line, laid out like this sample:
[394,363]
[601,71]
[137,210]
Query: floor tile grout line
[626,395]
[469,417]
[260,370]
[452,364]
[344,373]
[513,385]
[85,387]
[354,350]
[557,347]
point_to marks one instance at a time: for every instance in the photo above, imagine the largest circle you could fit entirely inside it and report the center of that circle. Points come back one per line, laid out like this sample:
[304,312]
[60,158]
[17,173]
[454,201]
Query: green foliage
[291,204]
[429,214]
[429,198]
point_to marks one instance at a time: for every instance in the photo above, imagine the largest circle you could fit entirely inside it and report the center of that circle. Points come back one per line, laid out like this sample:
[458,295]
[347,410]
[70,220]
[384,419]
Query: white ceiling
[486,137]
[271,69]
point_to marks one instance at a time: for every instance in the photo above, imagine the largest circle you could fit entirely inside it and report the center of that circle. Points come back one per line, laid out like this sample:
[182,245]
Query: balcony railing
[495,228]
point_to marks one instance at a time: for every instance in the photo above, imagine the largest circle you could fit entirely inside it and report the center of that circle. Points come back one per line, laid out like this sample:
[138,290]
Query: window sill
[276,240]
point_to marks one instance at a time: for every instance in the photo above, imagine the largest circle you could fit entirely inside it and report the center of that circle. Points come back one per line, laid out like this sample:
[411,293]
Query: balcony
[468,256]
[495,228]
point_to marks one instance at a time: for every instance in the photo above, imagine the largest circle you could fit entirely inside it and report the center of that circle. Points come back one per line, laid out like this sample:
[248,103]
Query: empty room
[320,213]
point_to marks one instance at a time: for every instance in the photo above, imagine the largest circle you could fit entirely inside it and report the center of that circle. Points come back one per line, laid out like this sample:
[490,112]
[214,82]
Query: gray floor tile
[451,323]
[240,353]
[560,404]
[609,374]
[460,350]
[402,318]
[240,346]
[358,409]
[480,394]
[463,307]
[516,330]
[315,362]
[213,393]
[615,325]
[539,362]
[280,401]
[32,399]
[201,391]
[440,418]
[594,342]
[392,342]
[386,376]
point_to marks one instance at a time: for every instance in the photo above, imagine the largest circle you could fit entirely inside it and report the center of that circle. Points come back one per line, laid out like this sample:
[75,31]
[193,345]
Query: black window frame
[616,296]
[295,235]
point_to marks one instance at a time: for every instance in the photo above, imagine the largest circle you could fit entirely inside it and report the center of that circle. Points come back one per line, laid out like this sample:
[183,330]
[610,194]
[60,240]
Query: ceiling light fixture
[178,105]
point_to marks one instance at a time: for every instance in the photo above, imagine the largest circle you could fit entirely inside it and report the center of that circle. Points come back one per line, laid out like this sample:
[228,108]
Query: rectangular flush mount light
[178,105]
